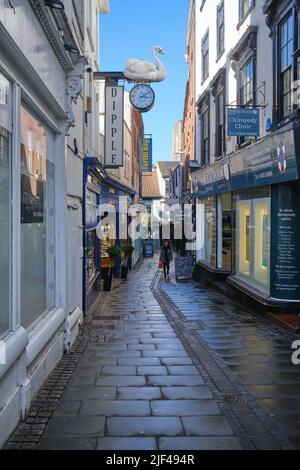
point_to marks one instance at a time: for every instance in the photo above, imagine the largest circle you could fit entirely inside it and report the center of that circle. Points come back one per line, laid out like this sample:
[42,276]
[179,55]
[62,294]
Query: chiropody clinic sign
[114,126]
[243,122]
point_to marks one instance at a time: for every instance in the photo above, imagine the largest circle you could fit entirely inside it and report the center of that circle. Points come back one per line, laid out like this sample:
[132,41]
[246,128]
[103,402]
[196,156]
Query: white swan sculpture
[138,70]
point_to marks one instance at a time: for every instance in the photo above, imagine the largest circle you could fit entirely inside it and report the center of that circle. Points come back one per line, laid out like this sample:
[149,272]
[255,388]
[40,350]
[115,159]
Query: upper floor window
[246,84]
[204,119]
[244,8]
[220,29]
[286,48]
[205,57]
[220,119]
[168,187]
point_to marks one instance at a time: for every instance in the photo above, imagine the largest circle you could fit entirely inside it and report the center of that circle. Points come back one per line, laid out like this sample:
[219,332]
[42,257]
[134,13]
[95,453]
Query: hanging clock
[142,97]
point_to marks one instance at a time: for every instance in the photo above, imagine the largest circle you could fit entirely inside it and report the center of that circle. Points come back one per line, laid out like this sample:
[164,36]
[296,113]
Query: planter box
[107,286]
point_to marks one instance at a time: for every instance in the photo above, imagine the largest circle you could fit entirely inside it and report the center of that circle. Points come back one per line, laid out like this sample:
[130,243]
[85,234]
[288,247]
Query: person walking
[166,256]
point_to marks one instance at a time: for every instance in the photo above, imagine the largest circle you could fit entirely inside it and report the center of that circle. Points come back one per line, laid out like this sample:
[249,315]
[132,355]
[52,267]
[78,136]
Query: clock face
[142,97]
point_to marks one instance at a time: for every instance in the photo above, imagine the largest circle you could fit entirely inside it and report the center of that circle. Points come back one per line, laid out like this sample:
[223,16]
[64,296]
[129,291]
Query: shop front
[34,324]
[91,242]
[246,220]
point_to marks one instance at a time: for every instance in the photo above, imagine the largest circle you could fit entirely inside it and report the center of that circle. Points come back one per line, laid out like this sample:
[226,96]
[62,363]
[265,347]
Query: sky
[131,29]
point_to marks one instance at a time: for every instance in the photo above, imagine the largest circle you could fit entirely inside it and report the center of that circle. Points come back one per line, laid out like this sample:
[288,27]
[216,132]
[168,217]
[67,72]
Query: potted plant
[127,250]
[113,252]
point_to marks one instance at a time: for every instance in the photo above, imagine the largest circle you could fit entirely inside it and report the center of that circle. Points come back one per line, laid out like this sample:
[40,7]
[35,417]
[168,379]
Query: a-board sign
[183,267]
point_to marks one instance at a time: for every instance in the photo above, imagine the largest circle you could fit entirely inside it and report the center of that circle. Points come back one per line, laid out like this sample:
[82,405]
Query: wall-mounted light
[55,4]
[71,48]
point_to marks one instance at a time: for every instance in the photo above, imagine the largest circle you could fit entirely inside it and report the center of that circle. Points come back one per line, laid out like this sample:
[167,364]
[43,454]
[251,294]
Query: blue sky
[130,31]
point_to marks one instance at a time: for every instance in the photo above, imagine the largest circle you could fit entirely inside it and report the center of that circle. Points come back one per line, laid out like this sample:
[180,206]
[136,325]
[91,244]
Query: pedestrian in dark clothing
[166,256]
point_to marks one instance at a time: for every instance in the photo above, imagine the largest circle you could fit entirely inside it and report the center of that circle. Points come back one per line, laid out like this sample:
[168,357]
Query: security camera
[89,69]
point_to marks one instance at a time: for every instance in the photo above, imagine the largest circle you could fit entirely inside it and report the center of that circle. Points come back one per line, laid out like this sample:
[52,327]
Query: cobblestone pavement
[169,366]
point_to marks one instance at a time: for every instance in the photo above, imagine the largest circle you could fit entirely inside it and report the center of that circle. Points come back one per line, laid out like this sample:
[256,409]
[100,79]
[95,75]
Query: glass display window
[5,230]
[37,219]
[225,232]
[210,228]
[92,256]
[252,237]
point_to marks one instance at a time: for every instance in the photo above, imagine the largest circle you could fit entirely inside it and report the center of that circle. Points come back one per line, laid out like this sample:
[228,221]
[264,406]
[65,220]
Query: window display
[210,231]
[253,237]
[5,229]
[37,219]
[224,232]
[91,253]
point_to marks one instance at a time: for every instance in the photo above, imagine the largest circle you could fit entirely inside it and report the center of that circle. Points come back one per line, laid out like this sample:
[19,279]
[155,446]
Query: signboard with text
[285,272]
[147,154]
[114,126]
[243,122]
[183,267]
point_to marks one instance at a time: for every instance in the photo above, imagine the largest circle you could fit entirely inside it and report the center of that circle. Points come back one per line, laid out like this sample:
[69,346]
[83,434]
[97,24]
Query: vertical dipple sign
[114,106]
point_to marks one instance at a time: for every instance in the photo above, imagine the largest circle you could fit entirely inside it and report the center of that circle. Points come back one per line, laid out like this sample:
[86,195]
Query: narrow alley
[165,365]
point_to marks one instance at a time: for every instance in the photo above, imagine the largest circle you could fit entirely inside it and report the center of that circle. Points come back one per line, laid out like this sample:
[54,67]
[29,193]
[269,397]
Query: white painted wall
[207,19]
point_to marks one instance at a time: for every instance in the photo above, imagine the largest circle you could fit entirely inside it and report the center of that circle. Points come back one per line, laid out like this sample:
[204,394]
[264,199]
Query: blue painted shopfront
[98,188]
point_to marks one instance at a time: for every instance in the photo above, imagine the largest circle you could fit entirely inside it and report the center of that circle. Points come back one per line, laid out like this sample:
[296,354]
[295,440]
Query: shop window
[91,208]
[253,238]
[210,231]
[5,229]
[92,257]
[224,232]
[37,219]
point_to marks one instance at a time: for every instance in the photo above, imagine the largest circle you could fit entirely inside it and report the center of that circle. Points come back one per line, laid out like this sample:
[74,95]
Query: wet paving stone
[175,380]
[199,443]
[138,393]
[67,408]
[67,443]
[119,381]
[259,379]
[207,426]
[139,361]
[280,405]
[118,370]
[176,361]
[115,408]
[165,353]
[274,391]
[152,370]
[90,393]
[184,408]
[182,370]
[146,426]
[126,443]
[186,393]
[75,426]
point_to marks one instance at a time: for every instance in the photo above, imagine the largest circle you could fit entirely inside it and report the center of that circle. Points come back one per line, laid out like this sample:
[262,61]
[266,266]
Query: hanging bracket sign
[114,126]
[243,122]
